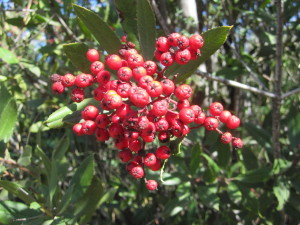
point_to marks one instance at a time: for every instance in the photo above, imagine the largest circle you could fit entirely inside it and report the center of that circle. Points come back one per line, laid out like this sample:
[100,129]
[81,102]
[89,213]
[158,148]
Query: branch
[160,18]
[63,23]
[236,84]
[252,73]
[295,91]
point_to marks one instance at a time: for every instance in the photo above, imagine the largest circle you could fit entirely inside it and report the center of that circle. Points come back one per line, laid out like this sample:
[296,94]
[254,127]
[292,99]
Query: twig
[292,92]
[277,81]
[252,73]
[63,23]
[236,84]
[13,164]
[160,18]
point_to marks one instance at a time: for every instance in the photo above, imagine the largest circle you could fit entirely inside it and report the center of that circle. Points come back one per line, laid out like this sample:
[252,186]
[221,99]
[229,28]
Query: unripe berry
[163,152]
[68,80]
[125,155]
[92,55]
[237,143]
[226,138]
[233,122]
[211,123]
[114,62]
[58,88]
[149,159]
[151,185]
[216,108]
[90,112]
[137,172]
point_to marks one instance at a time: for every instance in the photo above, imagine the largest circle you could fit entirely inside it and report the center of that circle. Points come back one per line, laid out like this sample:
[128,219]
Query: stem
[277,81]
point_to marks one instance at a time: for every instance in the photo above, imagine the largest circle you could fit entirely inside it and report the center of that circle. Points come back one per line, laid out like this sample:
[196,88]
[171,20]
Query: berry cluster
[142,103]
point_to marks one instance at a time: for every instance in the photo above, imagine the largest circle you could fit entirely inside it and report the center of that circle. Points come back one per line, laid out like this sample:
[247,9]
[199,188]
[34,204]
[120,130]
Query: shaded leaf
[195,159]
[105,36]
[46,161]
[16,190]
[209,196]
[249,159]
[213,40]
[76,52]
[146,28]
[64,114]
[212,168]
[7,56]
[255,176]
[294,127]
[223,154]
[8,114]
[282,193]
[25,158]
[53,180]
[260,135]
[61,148]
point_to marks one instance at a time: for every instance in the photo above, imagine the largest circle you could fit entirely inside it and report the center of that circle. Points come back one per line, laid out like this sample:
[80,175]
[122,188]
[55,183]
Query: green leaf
[67,114]
[46,161]
[175,145]
[8,114]
[105,36]
[89,202]
[282,193]
[16,190]
[260,135]
[213,40]
[76,52]
[7,56]
[25,158]
[31,67]
[249,159]
[146,28]
[61,148]
[212,168]
[195,159]
[294,127]
[53,181]
[223,154]
[127,12]
[256,176]
[80,182]
[209,196]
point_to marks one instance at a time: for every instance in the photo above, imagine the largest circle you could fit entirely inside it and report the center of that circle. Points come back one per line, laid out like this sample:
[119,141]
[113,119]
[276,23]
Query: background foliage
[53,177]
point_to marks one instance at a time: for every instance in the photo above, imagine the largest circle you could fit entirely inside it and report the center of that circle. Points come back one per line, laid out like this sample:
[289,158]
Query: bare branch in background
[63,23]
[160,18]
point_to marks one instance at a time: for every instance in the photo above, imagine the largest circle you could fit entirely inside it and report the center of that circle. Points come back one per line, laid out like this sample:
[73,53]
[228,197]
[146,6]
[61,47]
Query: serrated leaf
[127,12]
[282,193]
[25,158]
[105,36]
[256,176]
[213,40]
[76,52]
[8,114]
[17,190]
[259,134]
[146,28]
[195,159]
[7,56]
[69,113]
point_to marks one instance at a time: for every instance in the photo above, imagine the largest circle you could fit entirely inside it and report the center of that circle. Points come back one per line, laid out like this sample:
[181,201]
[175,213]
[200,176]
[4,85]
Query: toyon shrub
[143,103]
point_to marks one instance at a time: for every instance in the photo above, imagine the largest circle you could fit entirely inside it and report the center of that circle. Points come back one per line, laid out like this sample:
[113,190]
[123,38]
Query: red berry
[92,55]
[145,81]
[131,135]
[139,72]
[89,127]
[77,128]
[163,136]
[162,125]
[237,143]
[77,95]
[224,116]
[115,130]
[149,159]
[163,152]
[102,134]
[183,104]
[200,118]
[160,108]
[151,185]
[112,101]
[156,166]
[58,88]
[135,146]
[233,122]
[68,80]
[174,38]
[183,42]
[142,123]
[96,67]
[90,112]
[154,89]
[99,93]
[125,155]
[82,80]
[183,91]
[135,60]
[196,41]
[162,44]
[140,98]
[55,78]
[226,138]
[216,108]
[130,52]
[123,110]
[171,116]
[197,109]
[124,74]
[121,143]
[114,62]
[167,59]
[187,115]
[168,86]
[130,165]
[150,67]
[102,121]
[157,54]
[137,172]
[211,123]
[183,57]
[103,77]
